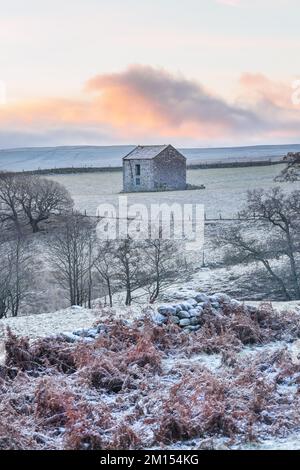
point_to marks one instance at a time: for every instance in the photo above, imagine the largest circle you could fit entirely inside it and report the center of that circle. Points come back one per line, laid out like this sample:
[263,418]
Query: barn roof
[145,152]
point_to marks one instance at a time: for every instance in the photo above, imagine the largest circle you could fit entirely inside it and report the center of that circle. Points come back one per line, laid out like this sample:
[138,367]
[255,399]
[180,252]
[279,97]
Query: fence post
[203,259]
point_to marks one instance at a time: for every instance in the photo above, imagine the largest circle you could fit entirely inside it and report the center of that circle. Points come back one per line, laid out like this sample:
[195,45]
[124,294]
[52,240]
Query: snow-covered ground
[225,193]
[238,281]
[66,320]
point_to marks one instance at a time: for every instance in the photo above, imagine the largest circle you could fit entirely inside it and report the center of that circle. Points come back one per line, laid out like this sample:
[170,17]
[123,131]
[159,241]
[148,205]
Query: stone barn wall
[146,178]
[169,170]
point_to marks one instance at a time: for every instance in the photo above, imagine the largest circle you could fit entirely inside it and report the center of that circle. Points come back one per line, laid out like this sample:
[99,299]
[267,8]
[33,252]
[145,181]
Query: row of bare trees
[82,263]
[29,200]
[25,200]
[15,275]
[70,249]
[271,239]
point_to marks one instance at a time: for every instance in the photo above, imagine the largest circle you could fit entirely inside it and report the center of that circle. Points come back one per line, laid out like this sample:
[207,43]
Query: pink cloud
[260,88]
[143,97]
[147,103]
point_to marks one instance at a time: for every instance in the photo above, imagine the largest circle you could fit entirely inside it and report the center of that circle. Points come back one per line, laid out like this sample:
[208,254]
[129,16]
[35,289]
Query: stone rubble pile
[188,314]
[84,334]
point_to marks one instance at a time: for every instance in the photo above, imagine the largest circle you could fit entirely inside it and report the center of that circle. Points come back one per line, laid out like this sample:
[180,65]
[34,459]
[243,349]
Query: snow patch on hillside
[65,321]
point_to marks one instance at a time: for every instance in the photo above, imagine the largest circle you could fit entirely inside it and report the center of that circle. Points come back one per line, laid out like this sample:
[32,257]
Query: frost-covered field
[225,189]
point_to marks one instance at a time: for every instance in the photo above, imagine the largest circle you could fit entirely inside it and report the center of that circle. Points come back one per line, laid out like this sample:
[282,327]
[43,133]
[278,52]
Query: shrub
[18,355]
[51,404]
[43,353]
[124,438]
[144,354]
[83,436]
[101,373]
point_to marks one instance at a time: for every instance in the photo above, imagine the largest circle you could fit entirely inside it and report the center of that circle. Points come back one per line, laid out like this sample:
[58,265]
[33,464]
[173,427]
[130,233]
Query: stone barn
[154,168]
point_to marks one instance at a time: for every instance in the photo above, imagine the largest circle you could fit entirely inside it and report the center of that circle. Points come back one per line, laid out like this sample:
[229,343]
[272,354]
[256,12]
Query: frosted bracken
[115,379]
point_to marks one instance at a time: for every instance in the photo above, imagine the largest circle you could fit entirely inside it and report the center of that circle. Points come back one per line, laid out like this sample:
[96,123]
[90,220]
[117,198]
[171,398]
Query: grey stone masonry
[154,168]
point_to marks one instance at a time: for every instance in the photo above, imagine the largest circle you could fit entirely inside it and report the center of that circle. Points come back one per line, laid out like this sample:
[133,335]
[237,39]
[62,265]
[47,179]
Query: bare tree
[132,272]
[146,265]
[292,170]
[106,267]
[10,207]
[282,212]
[71,254]
[26,198]
[273,235]
[15,275]
[40,198]
[244,248]
[164,263]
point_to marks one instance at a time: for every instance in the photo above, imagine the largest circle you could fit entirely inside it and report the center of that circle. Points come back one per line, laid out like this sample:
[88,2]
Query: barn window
[138,170]
[138,181]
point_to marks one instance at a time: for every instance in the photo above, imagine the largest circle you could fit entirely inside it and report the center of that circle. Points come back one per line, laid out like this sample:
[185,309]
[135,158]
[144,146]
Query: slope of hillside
[35,158]
[61,157]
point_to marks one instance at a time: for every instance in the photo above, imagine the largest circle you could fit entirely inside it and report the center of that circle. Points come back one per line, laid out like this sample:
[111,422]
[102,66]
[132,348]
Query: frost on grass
[142,385]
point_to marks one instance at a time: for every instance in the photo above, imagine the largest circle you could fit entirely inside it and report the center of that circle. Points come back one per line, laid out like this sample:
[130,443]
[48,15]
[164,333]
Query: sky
[192,73]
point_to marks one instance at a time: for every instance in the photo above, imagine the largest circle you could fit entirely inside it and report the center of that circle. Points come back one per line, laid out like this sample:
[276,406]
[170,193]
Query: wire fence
[220,217]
